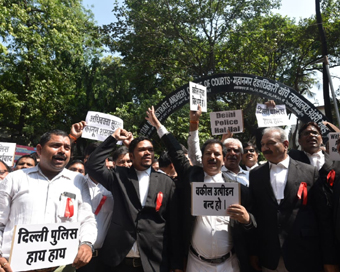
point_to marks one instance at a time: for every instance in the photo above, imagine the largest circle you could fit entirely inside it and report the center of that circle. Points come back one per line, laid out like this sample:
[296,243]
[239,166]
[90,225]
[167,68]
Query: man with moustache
[37,195]
[144,227]
[232,159]
[231,168]
[287,235]
[215,243]
[249,156]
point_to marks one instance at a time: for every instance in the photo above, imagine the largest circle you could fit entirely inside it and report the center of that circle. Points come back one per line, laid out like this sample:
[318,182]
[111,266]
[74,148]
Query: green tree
[45,45]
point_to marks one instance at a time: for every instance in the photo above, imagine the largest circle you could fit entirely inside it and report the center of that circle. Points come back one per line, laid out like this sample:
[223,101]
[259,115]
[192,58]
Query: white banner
[333,152]
[100,125]
[7,152]
[213,198]
[222,121]
[44,246]
[198,96]
[271,117]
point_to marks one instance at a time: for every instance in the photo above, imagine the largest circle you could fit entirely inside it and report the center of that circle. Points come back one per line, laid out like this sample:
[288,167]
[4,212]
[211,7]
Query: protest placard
[198,96]
[333,152]
[23,150]
[222,121]
[7,151]
[213,198]
[271,117]
[44,245]
[100,125]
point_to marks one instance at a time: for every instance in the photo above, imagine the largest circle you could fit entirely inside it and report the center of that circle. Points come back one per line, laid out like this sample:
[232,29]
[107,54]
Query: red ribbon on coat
[331,178]
[69,210]
[303,189]
[159,201]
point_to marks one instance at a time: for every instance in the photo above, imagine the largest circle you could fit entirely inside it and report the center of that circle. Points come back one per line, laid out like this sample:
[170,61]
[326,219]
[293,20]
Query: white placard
[213,198]
[100,125]
[7,152]
[44,245]
[222,121]
[333,153]
[271,117]
[198,96]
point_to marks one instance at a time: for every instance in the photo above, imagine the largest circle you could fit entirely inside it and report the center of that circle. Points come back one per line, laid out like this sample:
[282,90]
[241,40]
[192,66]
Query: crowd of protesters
[135,212]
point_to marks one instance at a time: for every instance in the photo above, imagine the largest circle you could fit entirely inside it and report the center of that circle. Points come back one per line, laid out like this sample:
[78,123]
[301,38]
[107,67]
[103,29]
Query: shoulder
[297,154]
[301,165]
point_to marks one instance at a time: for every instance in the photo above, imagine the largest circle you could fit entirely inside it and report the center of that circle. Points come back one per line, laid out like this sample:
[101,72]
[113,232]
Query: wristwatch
[89,244]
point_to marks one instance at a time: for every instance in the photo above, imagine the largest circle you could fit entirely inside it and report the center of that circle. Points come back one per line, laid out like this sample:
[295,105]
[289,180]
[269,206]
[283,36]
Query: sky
[297,9]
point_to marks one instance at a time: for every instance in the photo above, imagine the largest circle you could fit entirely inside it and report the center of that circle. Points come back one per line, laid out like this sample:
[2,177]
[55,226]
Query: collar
[240,170]
[284,163]
[147,171]
[65,172]
[215,176]
[318,154]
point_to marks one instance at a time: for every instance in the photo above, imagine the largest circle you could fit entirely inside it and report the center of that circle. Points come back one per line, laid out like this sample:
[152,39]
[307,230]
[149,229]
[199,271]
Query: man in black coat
[287,235]
[143,231]
[223,238]
[310,140]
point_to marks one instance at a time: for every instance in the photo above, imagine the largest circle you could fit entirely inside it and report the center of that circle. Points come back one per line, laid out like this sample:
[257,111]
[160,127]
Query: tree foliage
[44,48]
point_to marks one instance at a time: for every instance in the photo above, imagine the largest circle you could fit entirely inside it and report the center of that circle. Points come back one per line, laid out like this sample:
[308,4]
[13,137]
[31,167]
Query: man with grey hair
[233,149]
[287,234]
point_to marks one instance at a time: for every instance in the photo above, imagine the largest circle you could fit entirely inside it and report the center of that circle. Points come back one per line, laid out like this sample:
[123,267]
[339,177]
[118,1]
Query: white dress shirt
[27,196]
[211,239]
[103,218]
[241,177]
[194,150]
[144,181]
[251,168]
[316,159]
[278,178]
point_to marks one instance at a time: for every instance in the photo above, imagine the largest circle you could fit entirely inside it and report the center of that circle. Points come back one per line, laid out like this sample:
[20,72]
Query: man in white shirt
[287,237]
[34,196]
[215,243]
[101,199]
[231,168]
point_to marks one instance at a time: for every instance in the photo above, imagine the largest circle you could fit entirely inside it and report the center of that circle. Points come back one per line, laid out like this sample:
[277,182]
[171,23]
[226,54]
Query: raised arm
[175,151]
[194,150]
[95,165]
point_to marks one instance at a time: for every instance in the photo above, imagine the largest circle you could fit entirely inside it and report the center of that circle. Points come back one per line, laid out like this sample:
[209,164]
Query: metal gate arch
[236,82]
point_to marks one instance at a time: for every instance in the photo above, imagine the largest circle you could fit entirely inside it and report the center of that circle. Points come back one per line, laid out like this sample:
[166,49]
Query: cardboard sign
[44,246]
[222,121]
[271,117]
[100,125]
[333,152]
[7,151]
[198,96]
[213,198]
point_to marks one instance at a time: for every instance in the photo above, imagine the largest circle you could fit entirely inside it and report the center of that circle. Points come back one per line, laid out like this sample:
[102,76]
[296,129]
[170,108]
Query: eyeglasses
[249,150]
[313,132]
